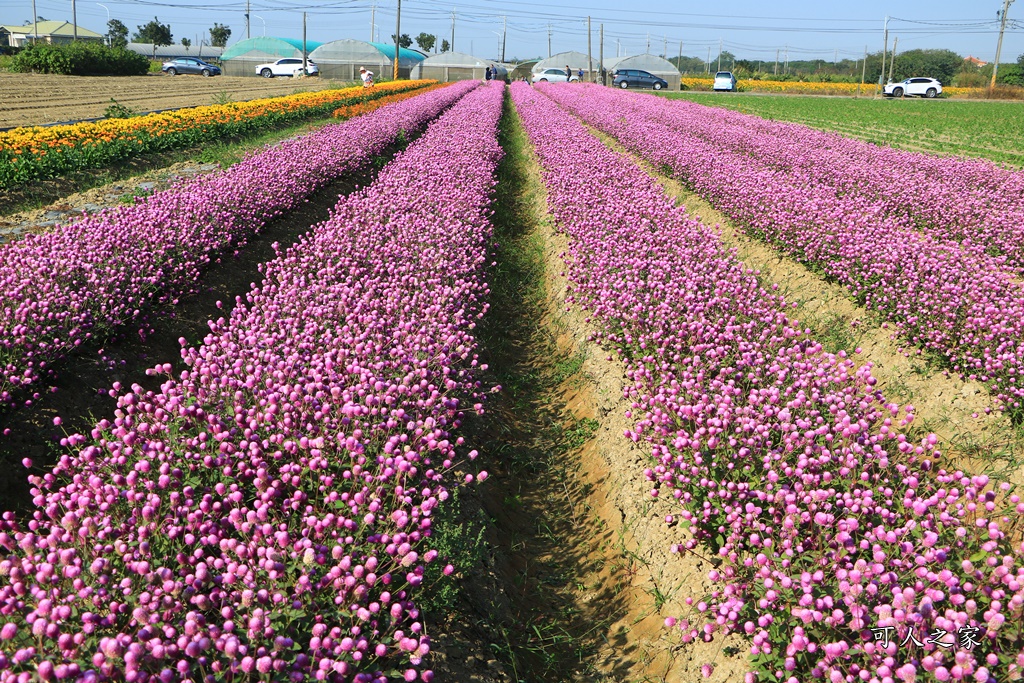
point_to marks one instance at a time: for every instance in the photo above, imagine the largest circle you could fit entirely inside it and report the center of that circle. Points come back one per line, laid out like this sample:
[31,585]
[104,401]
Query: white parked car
[288,66]
[923,87]
[554,76]
[724,80]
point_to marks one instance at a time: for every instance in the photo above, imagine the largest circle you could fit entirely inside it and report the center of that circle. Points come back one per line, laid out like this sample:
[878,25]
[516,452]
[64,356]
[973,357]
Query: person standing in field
[568,73]
[367,77]
[487,73]
[580,75]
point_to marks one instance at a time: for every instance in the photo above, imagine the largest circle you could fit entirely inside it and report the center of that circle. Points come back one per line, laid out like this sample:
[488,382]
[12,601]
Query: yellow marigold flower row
[38,152]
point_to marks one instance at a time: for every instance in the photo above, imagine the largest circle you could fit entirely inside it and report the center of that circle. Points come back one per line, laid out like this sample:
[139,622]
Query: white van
[724,80]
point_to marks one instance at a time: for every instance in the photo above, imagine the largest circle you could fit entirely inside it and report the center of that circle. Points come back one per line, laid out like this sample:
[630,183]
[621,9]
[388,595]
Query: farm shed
[456,66]
[574,60]
[652,64]
[45,32]
[165,53]
[242,58]
[341,59]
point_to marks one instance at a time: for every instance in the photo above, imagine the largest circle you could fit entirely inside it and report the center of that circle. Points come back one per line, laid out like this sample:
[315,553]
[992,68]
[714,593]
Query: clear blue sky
[751,29]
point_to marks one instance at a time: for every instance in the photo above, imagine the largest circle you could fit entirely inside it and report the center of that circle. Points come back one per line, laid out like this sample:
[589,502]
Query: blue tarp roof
[269,45]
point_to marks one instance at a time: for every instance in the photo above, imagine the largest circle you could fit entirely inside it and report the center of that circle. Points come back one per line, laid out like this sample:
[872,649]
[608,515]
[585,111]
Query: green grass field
[993,130]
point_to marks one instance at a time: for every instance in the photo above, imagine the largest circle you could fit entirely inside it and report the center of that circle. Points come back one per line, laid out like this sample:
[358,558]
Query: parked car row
[282,67]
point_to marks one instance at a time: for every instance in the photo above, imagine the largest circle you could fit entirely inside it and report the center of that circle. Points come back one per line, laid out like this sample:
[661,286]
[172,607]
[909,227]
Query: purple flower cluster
[970,201]
[267,516]
[61,288]
[946,297]
[827,521]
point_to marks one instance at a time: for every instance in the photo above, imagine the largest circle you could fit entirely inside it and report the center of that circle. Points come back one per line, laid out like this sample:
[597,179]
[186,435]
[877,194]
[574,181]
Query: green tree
[426,41]
[186,43]
[219,35]
[117,33]
[404,41]
[940,64]
[154,32]
[445,47]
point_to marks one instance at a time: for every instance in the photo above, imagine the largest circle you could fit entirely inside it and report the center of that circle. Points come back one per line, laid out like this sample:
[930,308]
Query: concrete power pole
[74,18]
[373,19]
[863,70]
[504,32]
[600,58]
[719,54]
[885,51]
[892,59]
[451,46]
[776,72]
[247,19]
[304,54]
[590,55]
[999,44]
[398,38]
[549,40]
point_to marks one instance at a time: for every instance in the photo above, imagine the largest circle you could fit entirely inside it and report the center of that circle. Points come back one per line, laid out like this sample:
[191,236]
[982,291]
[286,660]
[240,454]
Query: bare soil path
[37,99]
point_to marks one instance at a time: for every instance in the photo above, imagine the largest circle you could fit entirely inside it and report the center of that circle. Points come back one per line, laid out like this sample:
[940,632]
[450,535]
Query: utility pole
[835,59]
[304,56]
[709,59]
[885,51]
[451,45]
[892,59]
[373,19]
[398,37]
[679,61]
[590,56]
[785,65]
[776,72]
[549,40]
[600,58]
[247,19]
[664,48]
[504,32]
[719,54]
[74,18]
[999,44]
[863,70]
[35,23]
[616,48]
[648,50]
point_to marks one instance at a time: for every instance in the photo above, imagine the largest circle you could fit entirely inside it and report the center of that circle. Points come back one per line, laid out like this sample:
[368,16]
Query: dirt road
[34,99]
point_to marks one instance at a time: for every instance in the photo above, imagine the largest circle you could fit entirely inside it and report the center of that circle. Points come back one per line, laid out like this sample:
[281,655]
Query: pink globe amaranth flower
[240,502]
[719,376]
[706,670]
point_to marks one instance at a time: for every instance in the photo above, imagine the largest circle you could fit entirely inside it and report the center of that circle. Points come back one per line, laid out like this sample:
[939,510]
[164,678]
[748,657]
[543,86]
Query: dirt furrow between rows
[973,433]
[576,576]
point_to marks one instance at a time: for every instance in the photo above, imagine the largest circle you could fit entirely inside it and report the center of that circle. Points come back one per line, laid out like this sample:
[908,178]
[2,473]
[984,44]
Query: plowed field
[35,99]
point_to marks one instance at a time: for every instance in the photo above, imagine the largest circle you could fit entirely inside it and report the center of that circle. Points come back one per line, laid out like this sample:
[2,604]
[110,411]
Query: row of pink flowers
[826,519]
[969,201]
[941,296]
[85,279]
[267,515]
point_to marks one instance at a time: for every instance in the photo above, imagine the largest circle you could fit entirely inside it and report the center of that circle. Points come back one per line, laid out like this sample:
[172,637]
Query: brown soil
[579,576]
[36,99]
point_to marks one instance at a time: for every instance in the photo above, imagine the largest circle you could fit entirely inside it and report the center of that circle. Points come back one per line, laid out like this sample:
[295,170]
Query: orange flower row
[351,110]
[37,152]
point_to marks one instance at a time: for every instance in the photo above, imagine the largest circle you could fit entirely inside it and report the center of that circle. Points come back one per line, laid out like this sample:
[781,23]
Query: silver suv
[724,80]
